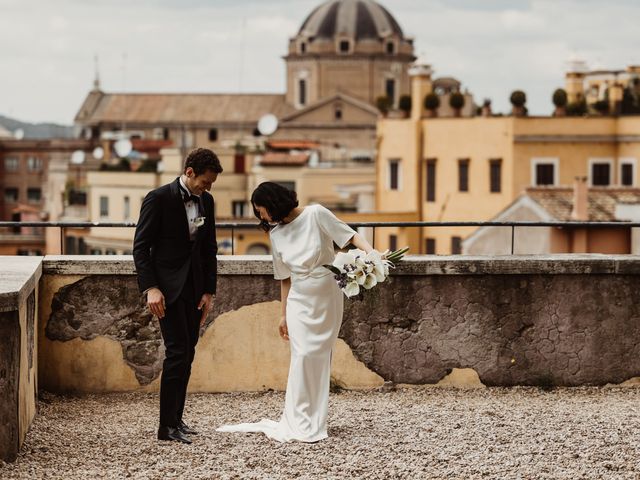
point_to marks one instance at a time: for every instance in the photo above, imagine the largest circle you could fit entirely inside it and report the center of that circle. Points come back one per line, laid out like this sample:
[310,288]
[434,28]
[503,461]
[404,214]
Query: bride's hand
[283,330]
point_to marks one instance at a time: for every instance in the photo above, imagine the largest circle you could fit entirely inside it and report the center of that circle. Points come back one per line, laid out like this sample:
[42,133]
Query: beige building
[470,169]
[346,55]
[117,196]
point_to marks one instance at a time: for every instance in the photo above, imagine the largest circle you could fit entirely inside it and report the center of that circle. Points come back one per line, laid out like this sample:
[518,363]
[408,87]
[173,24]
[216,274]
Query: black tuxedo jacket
[162,251]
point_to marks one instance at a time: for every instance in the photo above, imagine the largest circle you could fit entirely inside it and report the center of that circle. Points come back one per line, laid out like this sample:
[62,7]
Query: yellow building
[469,169]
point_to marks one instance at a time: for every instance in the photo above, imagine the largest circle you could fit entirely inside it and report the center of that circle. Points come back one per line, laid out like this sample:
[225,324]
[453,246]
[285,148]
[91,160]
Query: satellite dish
[77,157]
[18,134]
[267,124]
[98,153]
[123,147]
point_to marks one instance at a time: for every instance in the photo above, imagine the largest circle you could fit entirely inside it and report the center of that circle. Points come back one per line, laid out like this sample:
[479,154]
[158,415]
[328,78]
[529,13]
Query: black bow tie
[188,197]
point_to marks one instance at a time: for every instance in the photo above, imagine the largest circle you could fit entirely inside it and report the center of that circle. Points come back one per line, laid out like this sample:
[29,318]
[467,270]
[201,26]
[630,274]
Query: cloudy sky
[230,46]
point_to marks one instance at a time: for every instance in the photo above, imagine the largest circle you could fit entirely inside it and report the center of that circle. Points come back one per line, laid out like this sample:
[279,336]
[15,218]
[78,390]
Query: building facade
[470,169]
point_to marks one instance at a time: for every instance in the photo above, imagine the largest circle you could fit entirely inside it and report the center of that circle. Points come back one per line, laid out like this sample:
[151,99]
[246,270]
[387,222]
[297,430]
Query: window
[544,171]
[430,246]
[390,90]
[303,47]
[70,245]
[239,163]
[34,164]
[158,133]
[34,195]
[495,175]
[110,251]
[10,195]
[394,174]
[213,134]
[237,207]
[11,164]
[302,92]
[391,48]
[627,172]
[96,251]
[104,207]
[127,208]
[345,46]
[463,175]
[431,180]
[544,174]
[600,172]
[337,113]
[165,133]
[186,139]
[393,242]
[456,245]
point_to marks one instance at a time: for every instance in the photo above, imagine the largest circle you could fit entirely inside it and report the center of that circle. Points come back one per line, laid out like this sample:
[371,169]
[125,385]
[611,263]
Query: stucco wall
[522,320]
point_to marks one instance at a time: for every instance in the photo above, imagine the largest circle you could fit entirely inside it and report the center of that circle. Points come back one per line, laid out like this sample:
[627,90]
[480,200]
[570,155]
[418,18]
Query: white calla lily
[352,289]
[370,281]
[343,259]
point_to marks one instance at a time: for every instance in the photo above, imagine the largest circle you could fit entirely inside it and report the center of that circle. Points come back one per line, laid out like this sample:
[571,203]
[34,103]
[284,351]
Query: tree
[577,108]
[384,104]
[405,104]
[518,99]
[432,103]
[560,100]
[456,101]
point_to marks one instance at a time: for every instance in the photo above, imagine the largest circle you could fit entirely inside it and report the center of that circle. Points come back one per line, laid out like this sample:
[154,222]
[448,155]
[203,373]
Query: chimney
[574,80]
[580,210]
[421,86]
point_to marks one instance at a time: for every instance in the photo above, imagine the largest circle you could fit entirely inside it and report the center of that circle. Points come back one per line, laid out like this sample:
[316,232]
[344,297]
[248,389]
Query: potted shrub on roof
[432,103]
[404,104]
[577,108]
[518,100]
[456,102]
[384,105]
[560,101]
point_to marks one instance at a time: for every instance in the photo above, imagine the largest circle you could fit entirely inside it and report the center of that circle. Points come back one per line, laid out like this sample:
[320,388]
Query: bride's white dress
[314,316]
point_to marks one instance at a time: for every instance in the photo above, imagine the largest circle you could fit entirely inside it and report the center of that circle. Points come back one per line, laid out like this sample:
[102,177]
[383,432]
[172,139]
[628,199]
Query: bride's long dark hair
[276,199]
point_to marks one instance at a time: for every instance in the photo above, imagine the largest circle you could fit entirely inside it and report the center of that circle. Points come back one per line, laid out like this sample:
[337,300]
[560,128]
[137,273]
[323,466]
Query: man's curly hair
[202,160]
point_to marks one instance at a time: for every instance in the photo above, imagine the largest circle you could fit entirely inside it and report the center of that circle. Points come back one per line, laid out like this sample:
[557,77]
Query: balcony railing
[233,226]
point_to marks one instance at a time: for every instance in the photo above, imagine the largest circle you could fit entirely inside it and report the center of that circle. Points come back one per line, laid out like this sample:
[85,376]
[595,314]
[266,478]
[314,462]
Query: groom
[174,251]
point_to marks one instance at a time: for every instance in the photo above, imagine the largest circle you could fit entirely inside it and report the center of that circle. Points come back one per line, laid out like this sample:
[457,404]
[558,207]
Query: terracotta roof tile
[602,201]
[151,108]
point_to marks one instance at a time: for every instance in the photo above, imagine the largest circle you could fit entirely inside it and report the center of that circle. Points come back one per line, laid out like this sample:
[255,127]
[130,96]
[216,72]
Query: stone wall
[521,320]
[18,388]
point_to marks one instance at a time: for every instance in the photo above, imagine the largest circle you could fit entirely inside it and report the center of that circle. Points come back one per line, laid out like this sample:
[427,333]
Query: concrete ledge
[18,278]
[412,265]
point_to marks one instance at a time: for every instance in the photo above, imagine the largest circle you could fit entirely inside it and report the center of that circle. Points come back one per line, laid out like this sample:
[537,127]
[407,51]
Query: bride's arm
[358,241]
[285,285]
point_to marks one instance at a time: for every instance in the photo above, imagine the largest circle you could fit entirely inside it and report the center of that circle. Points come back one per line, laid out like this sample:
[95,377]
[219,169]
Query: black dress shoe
[173,434]
[186,429]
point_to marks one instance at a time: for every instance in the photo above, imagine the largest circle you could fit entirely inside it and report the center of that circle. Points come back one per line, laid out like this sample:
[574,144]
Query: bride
[301,242]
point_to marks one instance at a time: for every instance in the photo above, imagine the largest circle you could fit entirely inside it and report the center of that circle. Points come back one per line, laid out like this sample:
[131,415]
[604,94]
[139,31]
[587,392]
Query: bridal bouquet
[355,269]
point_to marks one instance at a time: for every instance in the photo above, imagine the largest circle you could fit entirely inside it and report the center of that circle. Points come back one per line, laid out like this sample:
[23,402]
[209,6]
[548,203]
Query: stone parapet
[19,277]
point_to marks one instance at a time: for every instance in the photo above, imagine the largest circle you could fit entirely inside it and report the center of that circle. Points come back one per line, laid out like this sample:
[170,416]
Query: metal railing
[233,226]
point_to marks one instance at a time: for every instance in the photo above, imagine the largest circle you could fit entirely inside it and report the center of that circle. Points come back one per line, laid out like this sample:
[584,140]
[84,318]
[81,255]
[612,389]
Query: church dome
[356,19]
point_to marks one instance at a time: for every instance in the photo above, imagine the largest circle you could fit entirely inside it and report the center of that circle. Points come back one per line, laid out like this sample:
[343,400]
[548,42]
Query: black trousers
[180,330]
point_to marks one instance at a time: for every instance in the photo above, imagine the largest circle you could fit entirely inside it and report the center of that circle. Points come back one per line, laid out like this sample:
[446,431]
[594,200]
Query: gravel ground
[408,433]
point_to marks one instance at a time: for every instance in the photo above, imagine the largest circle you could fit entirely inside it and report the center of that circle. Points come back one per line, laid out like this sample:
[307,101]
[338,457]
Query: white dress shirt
[193,212]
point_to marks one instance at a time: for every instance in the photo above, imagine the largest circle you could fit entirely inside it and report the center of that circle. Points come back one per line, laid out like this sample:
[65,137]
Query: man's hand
[206,302]
[155,300]
[283,330]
